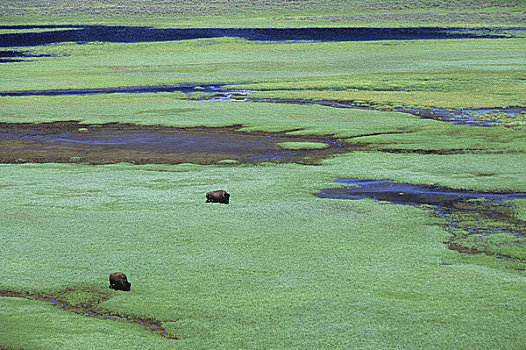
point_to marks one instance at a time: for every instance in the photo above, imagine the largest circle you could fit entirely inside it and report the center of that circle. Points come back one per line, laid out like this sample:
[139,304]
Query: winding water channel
[223,92]
[471,216]
[454,116]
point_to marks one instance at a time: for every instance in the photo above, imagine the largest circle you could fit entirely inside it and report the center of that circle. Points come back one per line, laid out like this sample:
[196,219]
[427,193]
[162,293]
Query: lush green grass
[516,121]
[437,73]
[302,145]
[30,30]
[275,13]
[391,130]
[482,172]
[277,268]
[521,209]
[37,325]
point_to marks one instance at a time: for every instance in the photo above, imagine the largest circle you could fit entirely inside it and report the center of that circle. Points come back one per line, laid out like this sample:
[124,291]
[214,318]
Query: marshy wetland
[487,222]
[71,142]
[114,127]
[231,93]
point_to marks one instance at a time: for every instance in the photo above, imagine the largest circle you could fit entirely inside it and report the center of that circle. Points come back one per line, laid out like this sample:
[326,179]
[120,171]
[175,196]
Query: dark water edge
[14,56]
[184,88]
[127,34]
[222,94]
[469,214]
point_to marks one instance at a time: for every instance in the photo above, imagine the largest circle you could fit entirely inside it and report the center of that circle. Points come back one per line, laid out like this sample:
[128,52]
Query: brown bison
[217,197]
[118,281]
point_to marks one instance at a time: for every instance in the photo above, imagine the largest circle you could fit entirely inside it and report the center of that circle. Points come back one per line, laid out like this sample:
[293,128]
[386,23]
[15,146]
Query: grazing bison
[217,197]
[118,281]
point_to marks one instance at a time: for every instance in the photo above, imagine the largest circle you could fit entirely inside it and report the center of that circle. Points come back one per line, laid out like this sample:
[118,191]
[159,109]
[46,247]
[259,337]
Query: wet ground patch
[124,34]
[71,142]
[88,304]
[479,222]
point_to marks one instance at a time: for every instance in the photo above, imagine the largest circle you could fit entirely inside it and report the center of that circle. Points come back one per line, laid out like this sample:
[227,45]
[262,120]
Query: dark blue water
[488,216]
[12,56]
[122,34]
[407,194]
[184,88]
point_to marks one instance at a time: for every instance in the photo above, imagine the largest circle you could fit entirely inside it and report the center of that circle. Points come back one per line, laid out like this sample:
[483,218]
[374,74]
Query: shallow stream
[455,116]
[223,94]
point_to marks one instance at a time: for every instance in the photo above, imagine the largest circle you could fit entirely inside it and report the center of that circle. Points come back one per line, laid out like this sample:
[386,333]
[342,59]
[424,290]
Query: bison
[217,197]
[118,281]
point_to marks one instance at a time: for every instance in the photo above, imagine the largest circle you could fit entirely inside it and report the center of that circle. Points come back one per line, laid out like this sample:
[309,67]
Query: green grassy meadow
[264,13]
[277,268]
[481,73]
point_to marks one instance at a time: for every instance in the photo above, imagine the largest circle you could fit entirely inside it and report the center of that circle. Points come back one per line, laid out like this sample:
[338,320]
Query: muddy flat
[71,142]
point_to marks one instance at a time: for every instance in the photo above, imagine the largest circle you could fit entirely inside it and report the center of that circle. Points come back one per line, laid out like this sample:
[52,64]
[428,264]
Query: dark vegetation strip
[493,213]
[90,308]
[443,152]
[124,34]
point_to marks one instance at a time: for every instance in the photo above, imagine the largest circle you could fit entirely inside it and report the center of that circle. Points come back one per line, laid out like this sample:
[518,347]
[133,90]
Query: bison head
[118,281]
